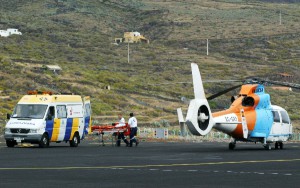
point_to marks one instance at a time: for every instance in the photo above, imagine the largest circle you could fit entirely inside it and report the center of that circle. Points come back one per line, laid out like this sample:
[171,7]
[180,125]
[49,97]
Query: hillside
[245,39]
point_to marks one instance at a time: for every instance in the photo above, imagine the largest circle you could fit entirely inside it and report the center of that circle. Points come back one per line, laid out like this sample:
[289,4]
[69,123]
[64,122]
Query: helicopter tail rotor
[199,118]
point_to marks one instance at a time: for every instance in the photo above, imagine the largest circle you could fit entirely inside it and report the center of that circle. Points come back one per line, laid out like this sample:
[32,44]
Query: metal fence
[176,134]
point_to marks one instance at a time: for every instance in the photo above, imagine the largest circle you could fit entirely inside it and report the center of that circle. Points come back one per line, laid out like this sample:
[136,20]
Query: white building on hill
[10,31]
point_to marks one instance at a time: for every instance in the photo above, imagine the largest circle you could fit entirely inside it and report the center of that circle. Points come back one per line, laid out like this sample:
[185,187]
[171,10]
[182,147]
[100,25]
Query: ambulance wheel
[231,146]
[75,140]
[268,146]
[10,143]
[44,142]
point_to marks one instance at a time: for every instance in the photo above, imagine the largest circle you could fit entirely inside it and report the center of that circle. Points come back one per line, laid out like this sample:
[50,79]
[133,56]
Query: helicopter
[250,118]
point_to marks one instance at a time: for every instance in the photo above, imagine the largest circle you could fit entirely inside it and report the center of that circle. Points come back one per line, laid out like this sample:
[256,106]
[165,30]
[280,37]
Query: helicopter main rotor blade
[206,81]
[223,92]
[286,84]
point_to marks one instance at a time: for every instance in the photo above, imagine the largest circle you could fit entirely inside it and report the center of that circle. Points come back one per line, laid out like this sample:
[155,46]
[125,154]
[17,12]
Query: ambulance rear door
[87,115]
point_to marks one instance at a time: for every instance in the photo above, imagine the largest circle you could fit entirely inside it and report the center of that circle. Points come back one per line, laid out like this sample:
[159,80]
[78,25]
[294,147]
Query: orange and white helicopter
[250,118]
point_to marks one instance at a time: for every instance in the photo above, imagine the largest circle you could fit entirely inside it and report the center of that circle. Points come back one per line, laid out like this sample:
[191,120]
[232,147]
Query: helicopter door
[277,127]
[286,123]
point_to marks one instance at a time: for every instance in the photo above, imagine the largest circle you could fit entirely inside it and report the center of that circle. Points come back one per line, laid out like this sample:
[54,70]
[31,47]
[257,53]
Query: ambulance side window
[61,111]
[50,113]
[285,117]
[276,116]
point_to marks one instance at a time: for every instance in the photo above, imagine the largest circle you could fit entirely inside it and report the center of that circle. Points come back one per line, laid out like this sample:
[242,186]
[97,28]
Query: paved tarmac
[149,165]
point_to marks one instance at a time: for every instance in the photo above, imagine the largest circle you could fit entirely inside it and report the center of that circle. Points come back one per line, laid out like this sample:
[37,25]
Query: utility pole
[280,17]
[128,52]
[206,46]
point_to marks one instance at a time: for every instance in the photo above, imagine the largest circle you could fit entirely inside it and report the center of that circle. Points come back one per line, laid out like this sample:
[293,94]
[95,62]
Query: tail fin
[180,115]
[197,82]
[199,119]
[181,122]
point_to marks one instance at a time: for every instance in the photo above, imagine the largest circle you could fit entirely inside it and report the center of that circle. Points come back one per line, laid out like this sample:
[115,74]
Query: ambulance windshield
[33,111]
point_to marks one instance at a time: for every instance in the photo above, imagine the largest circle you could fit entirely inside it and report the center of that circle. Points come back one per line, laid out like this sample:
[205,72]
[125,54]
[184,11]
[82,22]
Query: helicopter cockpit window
[276,116]
[248,101]
[285,117]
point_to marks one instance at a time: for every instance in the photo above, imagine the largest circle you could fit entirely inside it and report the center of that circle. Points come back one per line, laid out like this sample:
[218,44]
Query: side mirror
[7,116]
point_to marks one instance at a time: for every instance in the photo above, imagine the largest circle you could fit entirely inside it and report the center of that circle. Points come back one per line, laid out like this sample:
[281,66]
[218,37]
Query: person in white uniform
[133,129]
[121,123]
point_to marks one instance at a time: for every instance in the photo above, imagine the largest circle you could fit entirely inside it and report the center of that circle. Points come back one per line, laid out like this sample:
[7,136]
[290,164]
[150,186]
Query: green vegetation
[245,39]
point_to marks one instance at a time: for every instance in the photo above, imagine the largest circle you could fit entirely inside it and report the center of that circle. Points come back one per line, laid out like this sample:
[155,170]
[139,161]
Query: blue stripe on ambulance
[68,129]
[49,128]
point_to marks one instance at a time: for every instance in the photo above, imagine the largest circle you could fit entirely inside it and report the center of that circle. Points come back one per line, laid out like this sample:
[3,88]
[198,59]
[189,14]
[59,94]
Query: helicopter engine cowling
[199,119]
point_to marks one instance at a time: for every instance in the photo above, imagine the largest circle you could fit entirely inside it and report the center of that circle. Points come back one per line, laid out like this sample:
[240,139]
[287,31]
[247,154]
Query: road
[160,164]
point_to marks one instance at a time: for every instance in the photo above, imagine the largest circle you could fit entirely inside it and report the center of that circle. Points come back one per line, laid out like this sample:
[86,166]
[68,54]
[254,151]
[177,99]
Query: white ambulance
[40,118]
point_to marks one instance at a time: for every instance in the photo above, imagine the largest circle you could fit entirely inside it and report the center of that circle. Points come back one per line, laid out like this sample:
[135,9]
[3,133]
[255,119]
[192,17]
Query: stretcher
[110,130]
